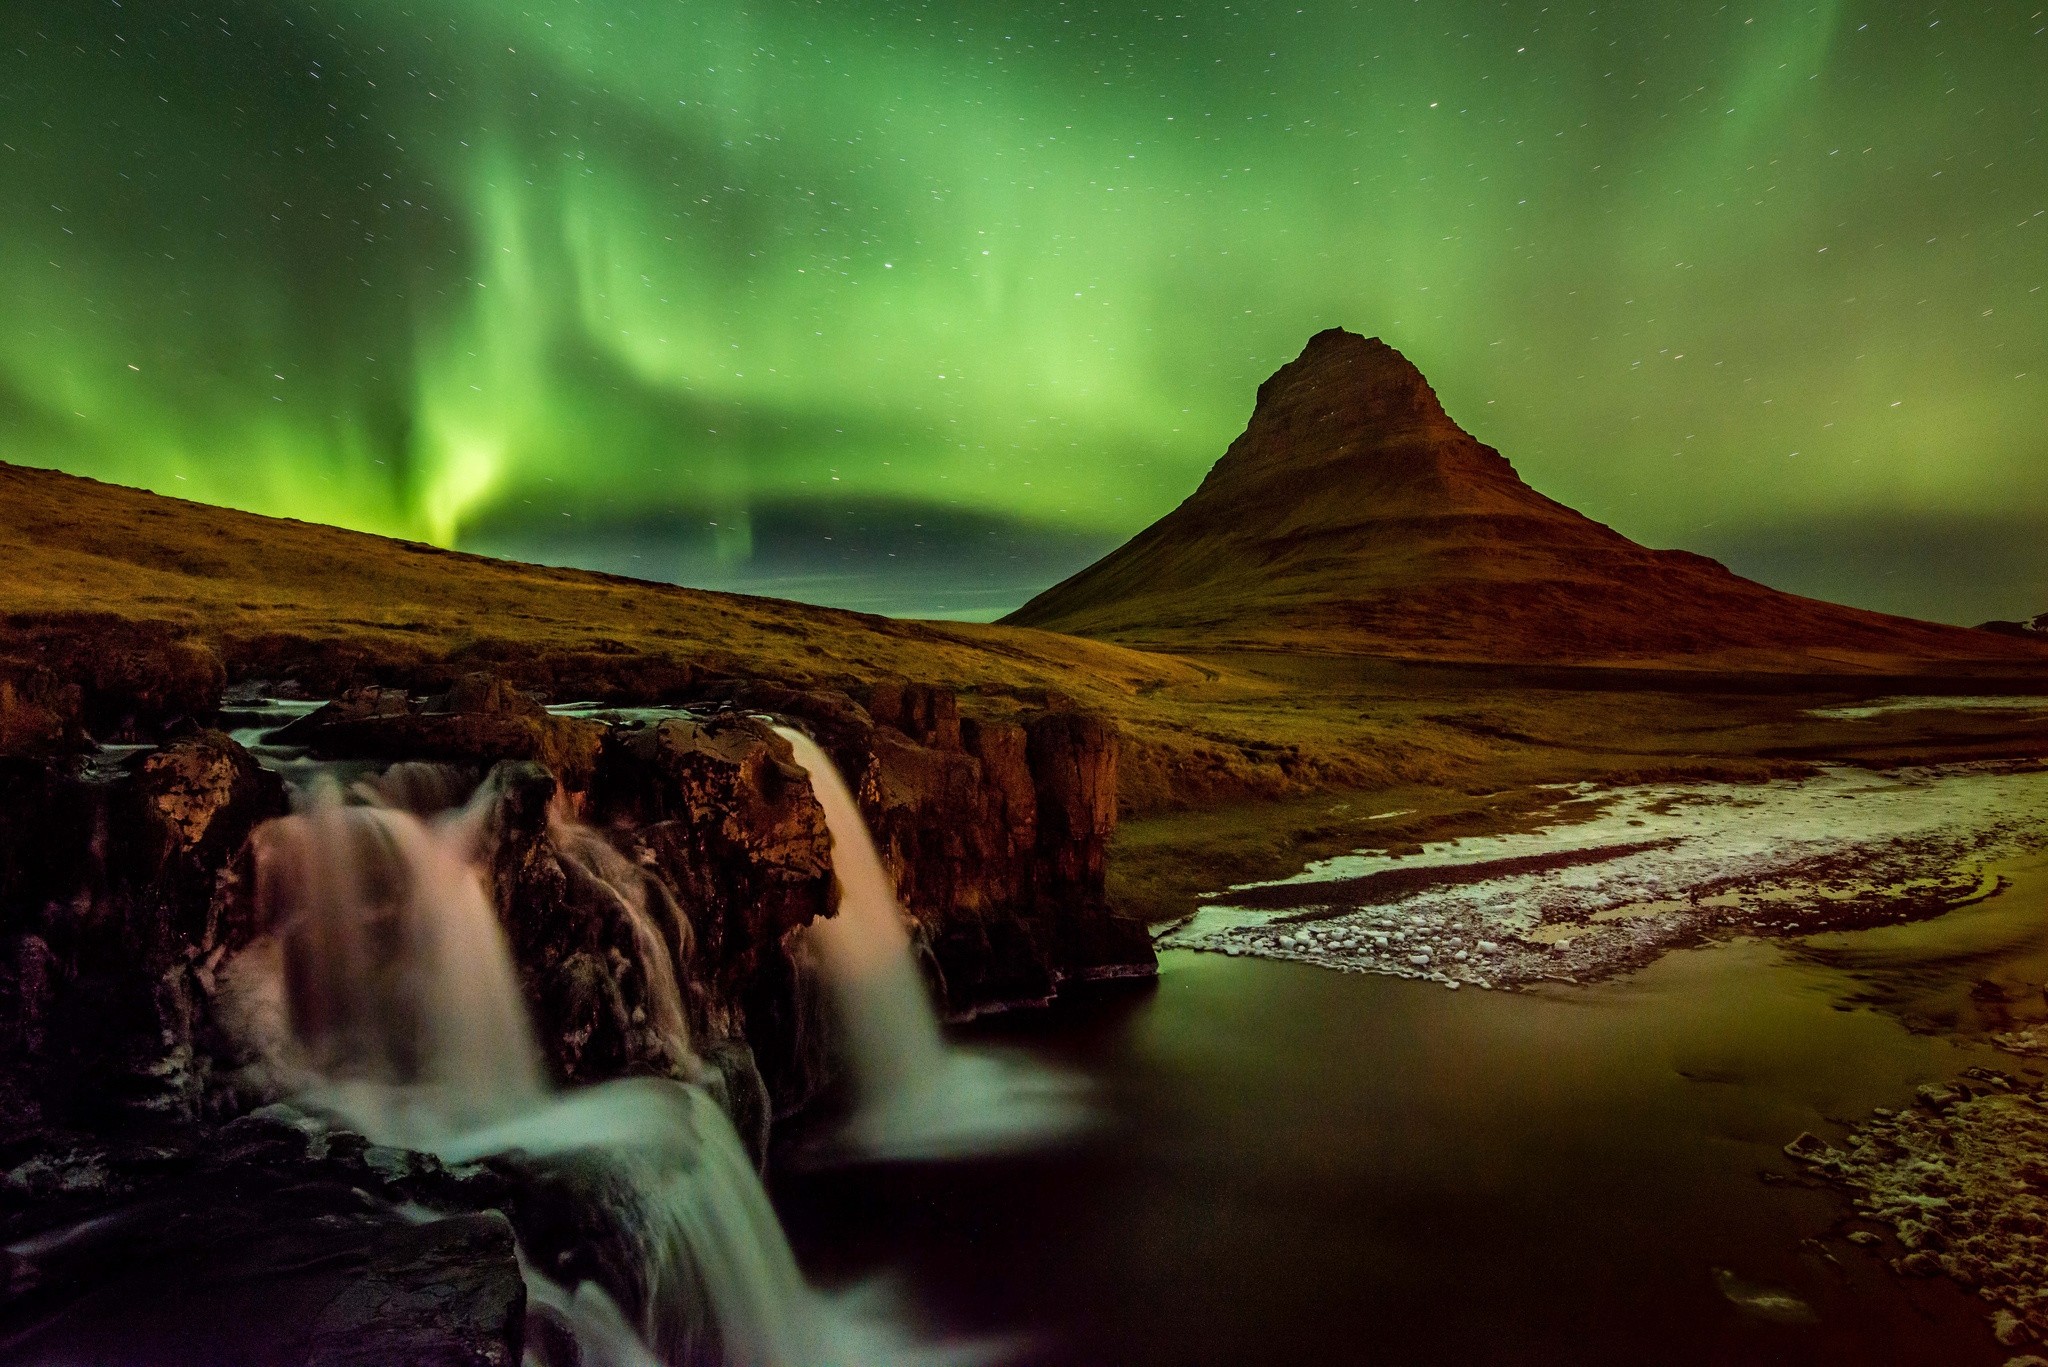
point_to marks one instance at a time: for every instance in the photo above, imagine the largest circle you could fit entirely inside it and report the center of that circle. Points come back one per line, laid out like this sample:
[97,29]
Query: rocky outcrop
[480,719]
[996,830]
[110,884]
[634,864]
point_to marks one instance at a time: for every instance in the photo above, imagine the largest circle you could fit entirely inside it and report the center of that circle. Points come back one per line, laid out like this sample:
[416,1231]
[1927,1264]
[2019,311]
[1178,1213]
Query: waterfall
[395,1007]
[401,1006]
[915,1096]
[589,859]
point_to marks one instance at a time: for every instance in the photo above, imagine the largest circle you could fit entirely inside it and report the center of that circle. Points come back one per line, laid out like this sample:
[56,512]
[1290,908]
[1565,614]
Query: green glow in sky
[1738,278]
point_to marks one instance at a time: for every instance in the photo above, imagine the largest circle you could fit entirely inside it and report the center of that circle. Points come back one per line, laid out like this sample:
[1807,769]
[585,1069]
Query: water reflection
[1316,1168]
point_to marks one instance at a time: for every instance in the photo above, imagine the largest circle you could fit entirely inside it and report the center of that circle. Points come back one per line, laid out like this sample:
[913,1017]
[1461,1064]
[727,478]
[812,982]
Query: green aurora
[682,287]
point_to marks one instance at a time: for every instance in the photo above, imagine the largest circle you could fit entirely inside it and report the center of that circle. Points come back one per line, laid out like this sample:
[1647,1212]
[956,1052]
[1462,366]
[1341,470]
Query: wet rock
[1937,1097]
[727,817]
[480,720]
[252,1243]
[195,801]
[995,829]
[602,950]
[435,1293]
[721,816]
[110,885]
[1962,1179]
[1810,1148]
[127,888]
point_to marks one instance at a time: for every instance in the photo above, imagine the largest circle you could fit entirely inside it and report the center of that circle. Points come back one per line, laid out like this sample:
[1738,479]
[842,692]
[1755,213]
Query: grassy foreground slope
[275,598]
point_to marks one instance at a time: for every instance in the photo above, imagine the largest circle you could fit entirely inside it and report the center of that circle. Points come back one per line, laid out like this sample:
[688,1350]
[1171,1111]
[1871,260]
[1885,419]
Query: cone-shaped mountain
[1353,516]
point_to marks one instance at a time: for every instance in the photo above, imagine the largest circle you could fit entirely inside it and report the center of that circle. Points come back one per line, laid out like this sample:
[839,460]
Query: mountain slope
[1354,517]
[258,587]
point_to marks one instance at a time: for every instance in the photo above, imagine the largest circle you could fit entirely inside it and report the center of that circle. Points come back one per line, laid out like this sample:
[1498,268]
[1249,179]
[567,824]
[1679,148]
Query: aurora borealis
[772,295]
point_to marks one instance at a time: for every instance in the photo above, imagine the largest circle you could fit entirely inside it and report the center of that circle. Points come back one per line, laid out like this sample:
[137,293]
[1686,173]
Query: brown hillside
[1353,516]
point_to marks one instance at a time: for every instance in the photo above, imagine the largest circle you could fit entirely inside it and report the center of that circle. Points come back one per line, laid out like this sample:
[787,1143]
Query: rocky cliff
[127,878]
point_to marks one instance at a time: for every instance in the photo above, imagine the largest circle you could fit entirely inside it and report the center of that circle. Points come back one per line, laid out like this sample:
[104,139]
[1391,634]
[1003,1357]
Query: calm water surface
[1308,1167]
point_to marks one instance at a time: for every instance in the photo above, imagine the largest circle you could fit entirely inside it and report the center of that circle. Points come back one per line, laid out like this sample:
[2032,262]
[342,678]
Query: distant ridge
[2033,629]
[1353,516]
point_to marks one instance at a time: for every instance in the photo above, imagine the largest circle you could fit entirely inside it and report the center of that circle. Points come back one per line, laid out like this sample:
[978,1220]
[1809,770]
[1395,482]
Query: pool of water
[1303,1166]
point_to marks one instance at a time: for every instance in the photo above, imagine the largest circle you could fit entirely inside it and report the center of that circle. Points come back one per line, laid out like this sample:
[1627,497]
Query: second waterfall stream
[915,1096]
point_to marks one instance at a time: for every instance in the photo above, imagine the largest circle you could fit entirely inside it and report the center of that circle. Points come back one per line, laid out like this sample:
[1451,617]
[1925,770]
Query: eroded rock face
[719,810]
[653,881]
[995,829]
[110,884]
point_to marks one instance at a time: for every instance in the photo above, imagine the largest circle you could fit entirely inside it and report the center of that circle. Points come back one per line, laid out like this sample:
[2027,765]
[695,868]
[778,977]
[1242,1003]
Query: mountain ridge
[1353,516]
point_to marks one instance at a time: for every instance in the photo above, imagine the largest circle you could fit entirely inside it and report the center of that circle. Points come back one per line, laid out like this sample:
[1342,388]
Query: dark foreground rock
[263,1242]
[110,882]
[481,718]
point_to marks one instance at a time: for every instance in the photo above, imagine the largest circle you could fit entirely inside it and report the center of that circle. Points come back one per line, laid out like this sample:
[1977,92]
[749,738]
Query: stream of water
[1314,1167]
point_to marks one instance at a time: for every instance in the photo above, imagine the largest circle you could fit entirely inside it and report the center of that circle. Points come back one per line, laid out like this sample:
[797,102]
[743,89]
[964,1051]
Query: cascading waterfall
[421,787]
[916,1096]
[590,859]
[401,1006]
[395,1006]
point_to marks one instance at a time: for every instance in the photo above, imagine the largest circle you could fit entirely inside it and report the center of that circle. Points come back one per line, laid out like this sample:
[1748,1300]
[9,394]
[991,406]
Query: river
[1305,1166]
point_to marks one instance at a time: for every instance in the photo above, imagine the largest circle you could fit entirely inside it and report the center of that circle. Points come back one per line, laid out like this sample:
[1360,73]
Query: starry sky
[917,307]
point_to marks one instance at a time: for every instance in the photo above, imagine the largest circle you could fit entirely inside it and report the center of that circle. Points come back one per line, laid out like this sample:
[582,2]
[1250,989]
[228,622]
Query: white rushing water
[1880,707]
[1624,871]
[916,1096]
[384,993]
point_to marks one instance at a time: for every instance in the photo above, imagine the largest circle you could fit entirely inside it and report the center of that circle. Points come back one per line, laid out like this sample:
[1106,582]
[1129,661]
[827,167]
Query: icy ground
[1623,874]
[1885,706]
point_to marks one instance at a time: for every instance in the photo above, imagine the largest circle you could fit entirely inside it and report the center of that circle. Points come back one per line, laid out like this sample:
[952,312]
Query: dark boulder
[260,1242]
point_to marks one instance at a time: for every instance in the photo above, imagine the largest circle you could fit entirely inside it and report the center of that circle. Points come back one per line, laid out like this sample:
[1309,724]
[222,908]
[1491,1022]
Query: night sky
[917,307]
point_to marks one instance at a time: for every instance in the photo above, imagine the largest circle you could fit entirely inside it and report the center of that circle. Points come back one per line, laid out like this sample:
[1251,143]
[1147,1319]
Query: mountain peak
[1352,424]
[1360,379]
[1352,516]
